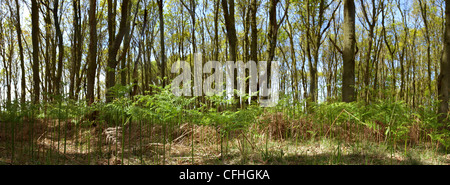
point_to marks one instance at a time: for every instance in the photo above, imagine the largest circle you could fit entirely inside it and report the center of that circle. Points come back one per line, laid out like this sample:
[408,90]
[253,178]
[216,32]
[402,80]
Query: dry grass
[272,139]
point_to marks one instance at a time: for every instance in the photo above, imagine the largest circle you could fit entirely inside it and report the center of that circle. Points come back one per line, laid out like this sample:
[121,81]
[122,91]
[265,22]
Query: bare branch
[334,44]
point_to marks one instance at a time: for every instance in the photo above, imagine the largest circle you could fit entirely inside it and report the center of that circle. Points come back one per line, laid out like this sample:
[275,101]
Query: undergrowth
[156,127]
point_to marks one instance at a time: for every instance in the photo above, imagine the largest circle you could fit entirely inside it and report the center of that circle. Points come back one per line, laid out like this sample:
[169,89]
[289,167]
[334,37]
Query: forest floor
[42,142]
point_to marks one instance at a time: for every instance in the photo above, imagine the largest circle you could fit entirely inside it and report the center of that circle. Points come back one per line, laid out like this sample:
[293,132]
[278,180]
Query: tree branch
[334,44]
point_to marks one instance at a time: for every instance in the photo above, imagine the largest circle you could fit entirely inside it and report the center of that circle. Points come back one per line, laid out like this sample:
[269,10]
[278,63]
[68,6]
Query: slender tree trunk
[163,50]
[74,66]
[125,53]
[60,48]
[246,23]
[92,54]
[293,60]
[273,32]
[138,58]
[423,10]
[7,68]
[114,46]
[35,43]
[348,76]
[444,77]
[371,28]
[228,8]
[216,30]
[99,67]
[6,62]
[47,62]
[254,39]
[22,65]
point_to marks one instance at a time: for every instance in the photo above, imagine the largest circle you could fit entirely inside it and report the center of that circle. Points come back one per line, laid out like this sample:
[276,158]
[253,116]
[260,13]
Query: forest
[93,82]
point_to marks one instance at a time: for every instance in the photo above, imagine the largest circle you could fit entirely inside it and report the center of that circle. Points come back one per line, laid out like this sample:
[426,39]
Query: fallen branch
[184,134]
[155,144]
[251,144]
[334,122]
[41,136]
[350,114]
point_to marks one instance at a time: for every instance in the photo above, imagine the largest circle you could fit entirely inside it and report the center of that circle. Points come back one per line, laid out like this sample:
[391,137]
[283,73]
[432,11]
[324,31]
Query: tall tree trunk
[423,11]
[74,65]
[125,53]
[47,62]
[60,48]
[246,44]
[99,67]
[216,30]
[273,32]
[114,46]
[75,77]
[92,54]
[371,28]
[294,81]
[254,39]
[348,76]
[444,76]
[163,51]
[228,9]
[6,62]
[35,43]
[138,58]
[6,65]
[22,65]
[272,38]
[315,30]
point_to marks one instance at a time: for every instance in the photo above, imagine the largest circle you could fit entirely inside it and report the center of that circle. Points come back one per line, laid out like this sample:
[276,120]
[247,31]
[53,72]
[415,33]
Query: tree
[273,29]
[163,51]
[423,11]
[444,76]
[191,10]
[92,53]
[228,12]
[7,57]
[316,27]
[254,33]
[254,37]
[391,48]
[348,76]
[60,40]
[371,22]
[114,45]
[35,43]
[76,49]
[22,65]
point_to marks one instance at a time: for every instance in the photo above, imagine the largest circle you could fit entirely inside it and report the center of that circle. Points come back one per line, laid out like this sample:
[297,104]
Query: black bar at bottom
[224,174]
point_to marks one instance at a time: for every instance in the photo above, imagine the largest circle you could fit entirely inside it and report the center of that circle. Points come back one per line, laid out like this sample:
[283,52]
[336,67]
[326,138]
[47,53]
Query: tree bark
[60,48]
[22,65]
[92,54]
[254,39]
[163,51]
[47,60]
[348,76]
[35,43]
[228,9]
[114,46]
[216,30]
[444,78]
[423,10]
